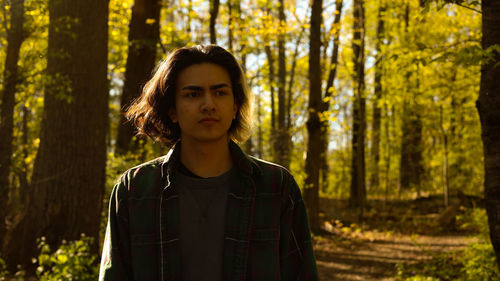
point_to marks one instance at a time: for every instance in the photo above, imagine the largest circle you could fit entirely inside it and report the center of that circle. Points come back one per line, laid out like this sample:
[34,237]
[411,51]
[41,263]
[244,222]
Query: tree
[282,147]
[144,35]
[271,77]
[15,37]
[411,167]
[69,172]
[328,93]
[214,11]
[488,105]
[358,186]
[311,190]
[376,121]
[230,24]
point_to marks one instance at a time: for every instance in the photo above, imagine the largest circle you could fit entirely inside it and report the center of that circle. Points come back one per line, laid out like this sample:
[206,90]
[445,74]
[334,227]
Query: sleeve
[115,261]
[297,261]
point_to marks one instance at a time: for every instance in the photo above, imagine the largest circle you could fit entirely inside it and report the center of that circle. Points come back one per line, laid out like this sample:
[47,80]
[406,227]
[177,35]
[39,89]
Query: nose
[208,103]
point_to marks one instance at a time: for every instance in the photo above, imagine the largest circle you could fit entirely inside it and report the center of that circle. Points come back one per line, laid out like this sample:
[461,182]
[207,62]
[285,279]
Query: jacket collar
[245,164]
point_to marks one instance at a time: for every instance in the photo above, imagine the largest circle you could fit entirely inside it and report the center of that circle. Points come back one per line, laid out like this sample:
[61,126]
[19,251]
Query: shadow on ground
[372,251]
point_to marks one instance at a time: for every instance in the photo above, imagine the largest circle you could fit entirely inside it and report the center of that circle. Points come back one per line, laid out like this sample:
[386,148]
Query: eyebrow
[198,88]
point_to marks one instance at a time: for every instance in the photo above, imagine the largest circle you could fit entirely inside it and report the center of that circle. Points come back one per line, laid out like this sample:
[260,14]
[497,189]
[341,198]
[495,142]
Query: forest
[387,113]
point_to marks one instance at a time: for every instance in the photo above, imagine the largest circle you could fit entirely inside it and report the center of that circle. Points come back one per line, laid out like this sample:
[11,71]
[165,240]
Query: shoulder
[273,175]
[143,175]
[263,167]
[145,168]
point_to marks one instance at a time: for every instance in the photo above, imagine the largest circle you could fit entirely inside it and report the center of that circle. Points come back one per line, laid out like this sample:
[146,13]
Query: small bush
[3,270]
[474,220]
[479,262]
[72,261]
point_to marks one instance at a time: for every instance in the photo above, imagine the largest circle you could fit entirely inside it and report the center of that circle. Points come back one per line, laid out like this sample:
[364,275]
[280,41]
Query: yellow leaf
[62,258]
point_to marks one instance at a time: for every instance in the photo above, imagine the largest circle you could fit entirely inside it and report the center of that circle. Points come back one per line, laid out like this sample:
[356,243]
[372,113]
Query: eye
[220,93]
[191,94]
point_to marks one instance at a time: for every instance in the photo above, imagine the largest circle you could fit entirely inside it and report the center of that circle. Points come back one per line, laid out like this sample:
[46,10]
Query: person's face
[204,103]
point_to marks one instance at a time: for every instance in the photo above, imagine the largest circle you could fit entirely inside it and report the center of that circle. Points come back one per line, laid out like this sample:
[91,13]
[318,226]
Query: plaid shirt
[266,234]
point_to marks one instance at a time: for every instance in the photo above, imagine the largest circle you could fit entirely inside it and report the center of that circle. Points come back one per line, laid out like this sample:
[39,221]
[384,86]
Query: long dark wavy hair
[149,112]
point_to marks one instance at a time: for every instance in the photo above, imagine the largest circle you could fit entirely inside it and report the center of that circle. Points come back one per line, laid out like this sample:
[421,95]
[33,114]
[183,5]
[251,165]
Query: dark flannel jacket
[266,234]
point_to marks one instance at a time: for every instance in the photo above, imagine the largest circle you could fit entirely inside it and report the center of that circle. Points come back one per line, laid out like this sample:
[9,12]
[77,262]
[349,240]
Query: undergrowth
[72,261]
[476,262]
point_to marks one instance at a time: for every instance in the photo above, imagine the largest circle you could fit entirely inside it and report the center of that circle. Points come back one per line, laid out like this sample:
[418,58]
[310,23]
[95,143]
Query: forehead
[204,74]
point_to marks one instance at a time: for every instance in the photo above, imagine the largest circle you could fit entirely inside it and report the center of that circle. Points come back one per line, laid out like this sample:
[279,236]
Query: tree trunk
[376,121]
[282,156]
[290,88]
[214,11]
[290,82]
[445,157]
[388,120]
[270,62]
[488,106]
[358,186]
[188,20]
[230,26]
[328,94]
[69,171]
[311,188]
[23,173]
[260,149]
[15,37]
[143,37]
[411,167]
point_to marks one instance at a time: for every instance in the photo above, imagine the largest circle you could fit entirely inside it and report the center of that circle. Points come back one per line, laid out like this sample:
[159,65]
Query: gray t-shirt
[202,219]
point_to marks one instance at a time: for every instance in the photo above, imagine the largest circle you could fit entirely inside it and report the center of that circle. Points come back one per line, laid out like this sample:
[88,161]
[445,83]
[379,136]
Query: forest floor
[391,234]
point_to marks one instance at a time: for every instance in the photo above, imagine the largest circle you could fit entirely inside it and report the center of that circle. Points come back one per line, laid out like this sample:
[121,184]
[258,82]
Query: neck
[207,159]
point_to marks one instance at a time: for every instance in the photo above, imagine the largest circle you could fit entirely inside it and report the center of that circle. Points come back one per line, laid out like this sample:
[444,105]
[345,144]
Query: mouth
[208,120]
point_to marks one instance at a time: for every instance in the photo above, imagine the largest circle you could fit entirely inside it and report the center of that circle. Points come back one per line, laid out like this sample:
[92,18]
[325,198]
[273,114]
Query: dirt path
[374,255]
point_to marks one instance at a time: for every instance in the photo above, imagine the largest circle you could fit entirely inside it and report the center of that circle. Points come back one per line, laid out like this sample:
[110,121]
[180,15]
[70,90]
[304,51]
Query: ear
[172,114]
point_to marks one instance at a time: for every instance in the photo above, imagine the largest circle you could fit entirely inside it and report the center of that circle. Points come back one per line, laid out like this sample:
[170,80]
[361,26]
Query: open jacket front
[266,234]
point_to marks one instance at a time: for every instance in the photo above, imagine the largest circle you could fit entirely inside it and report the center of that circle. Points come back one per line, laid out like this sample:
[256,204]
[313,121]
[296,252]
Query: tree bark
[143,37]
[15,38]
[328,94]
[260,149]
[411,167]
[69,171]
[230,36]
[376,121]
[488,106]
[23,173]
[282,156]
[290,87]
[271,77]
[311,189]
[358,182]
[214,11]
[446,188]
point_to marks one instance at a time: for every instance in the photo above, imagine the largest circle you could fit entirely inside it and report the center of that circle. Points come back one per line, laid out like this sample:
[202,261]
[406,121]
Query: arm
[115,262]
[296,253]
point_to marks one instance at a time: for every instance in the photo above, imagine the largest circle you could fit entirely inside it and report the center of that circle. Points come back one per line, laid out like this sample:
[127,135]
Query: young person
[205,211]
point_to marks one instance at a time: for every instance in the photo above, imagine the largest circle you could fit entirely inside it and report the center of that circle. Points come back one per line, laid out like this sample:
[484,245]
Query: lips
[208,120]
